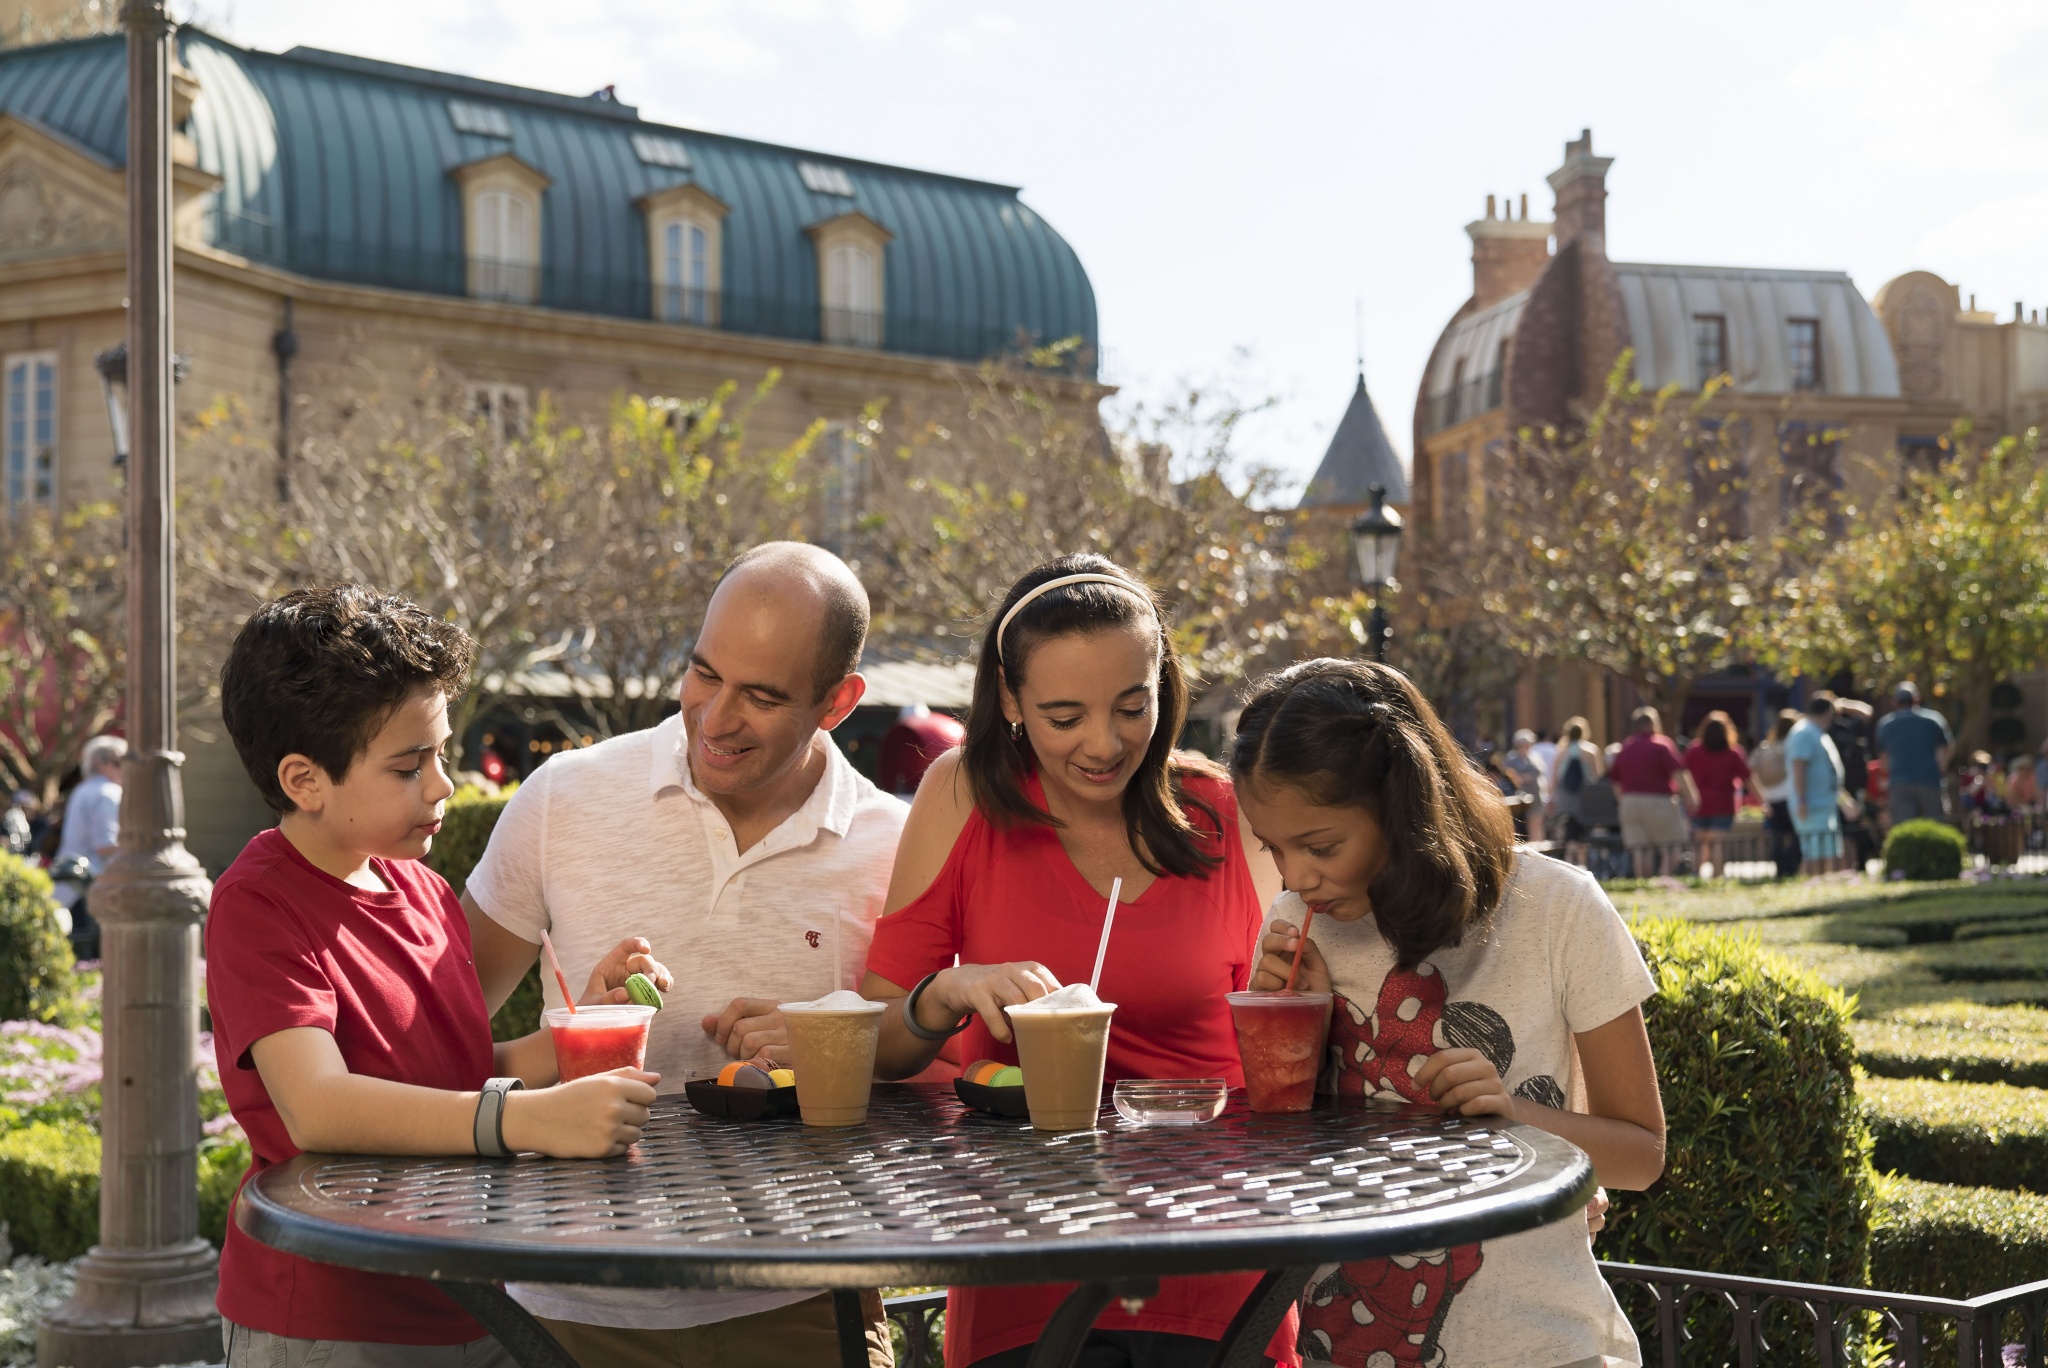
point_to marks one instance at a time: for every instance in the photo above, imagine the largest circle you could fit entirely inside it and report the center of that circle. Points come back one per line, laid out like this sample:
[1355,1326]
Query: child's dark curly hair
[317,672]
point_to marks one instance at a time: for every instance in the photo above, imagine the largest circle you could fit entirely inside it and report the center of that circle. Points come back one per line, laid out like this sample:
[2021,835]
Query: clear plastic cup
[1280,1039]
[832,1050]
[598,1039]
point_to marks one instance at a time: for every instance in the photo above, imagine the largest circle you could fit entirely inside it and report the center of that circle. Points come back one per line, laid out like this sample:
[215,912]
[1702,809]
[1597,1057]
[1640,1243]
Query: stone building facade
[1814,367]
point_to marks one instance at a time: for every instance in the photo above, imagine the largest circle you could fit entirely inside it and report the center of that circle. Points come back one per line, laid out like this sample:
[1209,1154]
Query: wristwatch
[489,1127]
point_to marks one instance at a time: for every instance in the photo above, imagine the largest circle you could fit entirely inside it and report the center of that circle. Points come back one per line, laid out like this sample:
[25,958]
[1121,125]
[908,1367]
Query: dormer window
[1802,353]
[683,230]
[850,255]
[501,228]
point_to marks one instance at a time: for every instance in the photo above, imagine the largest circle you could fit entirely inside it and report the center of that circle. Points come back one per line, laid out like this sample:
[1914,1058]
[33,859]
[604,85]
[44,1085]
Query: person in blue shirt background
[1916,743]
[1816,782]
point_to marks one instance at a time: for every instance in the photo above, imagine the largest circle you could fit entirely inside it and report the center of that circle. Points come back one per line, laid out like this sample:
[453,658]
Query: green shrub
[221,1166]
[1925,849]
[50,1188]
[1941,1241]
[1768,1169]
[466,826]
[1962,1042]
[1969,1134]
[521,1013]
[35,958]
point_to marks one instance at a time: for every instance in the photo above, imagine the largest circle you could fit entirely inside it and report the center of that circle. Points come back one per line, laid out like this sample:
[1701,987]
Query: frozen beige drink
[1062,1041]
[832,1048]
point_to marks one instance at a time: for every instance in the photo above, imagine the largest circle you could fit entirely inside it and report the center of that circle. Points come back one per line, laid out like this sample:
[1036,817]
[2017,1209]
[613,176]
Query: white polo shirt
[617,840]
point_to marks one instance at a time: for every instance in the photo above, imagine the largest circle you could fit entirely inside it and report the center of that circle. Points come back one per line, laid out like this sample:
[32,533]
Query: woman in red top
[1719,770]
[1069,780]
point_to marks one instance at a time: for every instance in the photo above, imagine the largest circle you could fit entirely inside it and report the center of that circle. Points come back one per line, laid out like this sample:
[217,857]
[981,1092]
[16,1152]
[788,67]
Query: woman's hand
[1464,1081]
[983,989]
[1276,957]
[633,955]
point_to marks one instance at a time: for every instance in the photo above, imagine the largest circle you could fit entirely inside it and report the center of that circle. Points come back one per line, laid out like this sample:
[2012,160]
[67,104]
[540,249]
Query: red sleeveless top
[1012,893]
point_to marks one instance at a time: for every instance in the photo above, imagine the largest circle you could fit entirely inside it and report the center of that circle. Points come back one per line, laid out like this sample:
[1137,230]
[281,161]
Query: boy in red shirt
[345,1003]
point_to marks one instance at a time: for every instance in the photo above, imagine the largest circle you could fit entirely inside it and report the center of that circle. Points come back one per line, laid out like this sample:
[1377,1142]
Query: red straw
[556,965]
[1296,968]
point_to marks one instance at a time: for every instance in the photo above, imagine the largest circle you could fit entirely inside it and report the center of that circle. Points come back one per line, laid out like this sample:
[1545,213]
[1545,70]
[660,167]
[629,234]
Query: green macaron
[641,989]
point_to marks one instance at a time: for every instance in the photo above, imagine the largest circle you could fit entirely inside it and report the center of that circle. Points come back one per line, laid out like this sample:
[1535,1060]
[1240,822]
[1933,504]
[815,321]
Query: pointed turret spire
[1359,457]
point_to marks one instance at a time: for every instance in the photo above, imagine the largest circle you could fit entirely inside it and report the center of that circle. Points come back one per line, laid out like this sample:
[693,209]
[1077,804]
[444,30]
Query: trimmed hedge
[36,982]
[1969,1134]
[1961,1042]
[1768,1169]
[1925,849]
[466,826]
[50,1188]
[1942,1241]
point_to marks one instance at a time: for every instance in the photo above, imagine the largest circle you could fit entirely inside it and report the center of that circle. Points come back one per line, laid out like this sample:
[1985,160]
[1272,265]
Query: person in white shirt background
[92,814]
[738,839]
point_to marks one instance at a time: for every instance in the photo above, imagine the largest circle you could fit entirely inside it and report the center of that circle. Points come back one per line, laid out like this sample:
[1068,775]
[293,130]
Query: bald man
[740,842]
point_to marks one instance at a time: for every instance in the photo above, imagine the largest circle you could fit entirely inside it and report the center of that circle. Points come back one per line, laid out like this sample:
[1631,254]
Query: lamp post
[112,364]
[1375,541]
[144,1295]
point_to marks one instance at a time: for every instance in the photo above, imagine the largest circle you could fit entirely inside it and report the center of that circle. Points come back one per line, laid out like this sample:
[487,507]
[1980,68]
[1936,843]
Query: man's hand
[633,955]
[595,1117]
[985,989]
[749,1027]
[1465,1082]
[1277,957]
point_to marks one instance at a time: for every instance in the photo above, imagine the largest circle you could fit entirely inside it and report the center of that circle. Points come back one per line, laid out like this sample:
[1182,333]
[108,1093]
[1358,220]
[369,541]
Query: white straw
[1116,889]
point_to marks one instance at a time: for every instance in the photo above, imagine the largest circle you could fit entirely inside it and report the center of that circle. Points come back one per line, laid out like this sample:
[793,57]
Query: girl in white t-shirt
[1468,974]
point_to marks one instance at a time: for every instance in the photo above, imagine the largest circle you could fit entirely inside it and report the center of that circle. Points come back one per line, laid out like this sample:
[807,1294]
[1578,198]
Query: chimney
[1581,188]
[1507,253]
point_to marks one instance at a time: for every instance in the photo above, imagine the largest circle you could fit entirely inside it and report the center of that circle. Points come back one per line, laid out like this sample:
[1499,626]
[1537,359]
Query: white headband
[1048,587]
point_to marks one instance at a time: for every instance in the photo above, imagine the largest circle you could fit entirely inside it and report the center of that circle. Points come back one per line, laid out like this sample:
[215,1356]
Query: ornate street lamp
[144,1294]
[1375,541]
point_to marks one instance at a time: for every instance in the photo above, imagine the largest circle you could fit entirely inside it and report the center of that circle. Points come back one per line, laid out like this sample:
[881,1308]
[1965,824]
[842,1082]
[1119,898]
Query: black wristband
[910,1013]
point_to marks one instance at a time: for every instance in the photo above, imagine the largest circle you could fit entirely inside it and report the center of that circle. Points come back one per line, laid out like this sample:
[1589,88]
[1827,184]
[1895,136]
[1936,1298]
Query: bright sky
[1237,178]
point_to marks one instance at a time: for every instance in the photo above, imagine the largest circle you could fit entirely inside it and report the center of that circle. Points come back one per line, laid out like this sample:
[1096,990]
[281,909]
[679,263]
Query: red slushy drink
[1280,1039]
[598,1039]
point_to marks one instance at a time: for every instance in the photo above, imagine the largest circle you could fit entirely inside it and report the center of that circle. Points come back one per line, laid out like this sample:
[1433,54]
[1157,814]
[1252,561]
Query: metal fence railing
[1690,1319]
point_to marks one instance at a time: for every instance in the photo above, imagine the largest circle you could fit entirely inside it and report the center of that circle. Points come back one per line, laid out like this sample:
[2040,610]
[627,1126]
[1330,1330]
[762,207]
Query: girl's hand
[633,955]
[985,989]
[1465,1082]
[1276,957]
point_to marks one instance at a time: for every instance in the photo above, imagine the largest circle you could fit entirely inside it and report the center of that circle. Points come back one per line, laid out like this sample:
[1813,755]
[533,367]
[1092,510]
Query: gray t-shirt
[1555,960]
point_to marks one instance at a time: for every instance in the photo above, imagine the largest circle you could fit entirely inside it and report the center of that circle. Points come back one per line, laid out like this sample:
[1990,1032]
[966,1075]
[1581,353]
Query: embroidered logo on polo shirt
[813,939]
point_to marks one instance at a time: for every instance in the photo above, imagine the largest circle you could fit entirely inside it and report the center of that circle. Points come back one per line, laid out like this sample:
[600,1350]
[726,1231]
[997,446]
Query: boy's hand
[591,1118]
[633,955]
[748,1028]
[1276,957]
[1465,1082]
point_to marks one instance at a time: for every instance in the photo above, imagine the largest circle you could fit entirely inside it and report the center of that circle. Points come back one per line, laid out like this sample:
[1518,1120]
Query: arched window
[501,206]
[683,227]
[850,288]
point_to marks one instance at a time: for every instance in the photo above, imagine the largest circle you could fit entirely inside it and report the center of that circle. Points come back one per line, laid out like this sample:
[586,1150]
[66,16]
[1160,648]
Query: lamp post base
[136,1309]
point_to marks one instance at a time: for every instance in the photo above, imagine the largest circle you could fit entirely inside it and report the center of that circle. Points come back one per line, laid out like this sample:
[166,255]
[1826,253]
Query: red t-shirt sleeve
[263,973]
[925,934]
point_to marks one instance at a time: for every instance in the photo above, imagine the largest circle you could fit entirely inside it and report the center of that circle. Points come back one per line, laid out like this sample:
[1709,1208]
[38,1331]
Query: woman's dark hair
[1163,838]
[319,671]
[1717,729]
[1575,729]
[1348,733]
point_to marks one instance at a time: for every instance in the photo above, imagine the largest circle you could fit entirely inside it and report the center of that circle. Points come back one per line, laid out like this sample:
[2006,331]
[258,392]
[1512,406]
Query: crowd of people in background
[1825,781]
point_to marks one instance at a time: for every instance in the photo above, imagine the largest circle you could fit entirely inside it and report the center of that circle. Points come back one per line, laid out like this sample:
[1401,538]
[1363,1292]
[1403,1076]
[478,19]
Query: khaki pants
[805,1335]
[246,1348]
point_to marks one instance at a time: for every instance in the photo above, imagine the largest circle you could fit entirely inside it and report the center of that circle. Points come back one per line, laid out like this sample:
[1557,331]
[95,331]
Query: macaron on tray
[757,1090]
[994,1088]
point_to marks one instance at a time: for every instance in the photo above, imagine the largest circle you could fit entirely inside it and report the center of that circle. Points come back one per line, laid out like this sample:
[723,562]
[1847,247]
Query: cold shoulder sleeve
[926,933]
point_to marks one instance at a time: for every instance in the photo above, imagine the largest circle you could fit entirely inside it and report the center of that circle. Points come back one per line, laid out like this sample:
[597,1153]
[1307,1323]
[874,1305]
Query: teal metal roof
[338,167]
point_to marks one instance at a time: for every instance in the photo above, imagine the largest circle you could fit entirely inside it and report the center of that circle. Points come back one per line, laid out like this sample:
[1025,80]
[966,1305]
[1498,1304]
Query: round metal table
[929,1192]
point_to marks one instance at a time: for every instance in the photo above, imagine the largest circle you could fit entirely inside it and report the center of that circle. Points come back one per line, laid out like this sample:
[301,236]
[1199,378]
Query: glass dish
[1170,1101]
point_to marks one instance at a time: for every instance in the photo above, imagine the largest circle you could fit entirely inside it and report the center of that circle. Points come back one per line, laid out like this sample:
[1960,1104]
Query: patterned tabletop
[928,1192]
